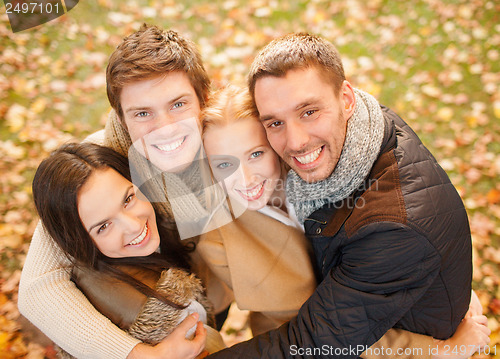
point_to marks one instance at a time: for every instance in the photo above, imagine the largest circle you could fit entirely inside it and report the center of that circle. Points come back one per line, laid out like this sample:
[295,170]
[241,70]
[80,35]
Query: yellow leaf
[496,109]
[373,89]
[319,17]
[39,105]
[425,31]
[20,85]
[445,114]
[471,121]
[431,90]
[4,341]
[15,117]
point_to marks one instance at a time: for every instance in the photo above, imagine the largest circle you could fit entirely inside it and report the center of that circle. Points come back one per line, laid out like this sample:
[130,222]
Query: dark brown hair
[56,185]
[152,52]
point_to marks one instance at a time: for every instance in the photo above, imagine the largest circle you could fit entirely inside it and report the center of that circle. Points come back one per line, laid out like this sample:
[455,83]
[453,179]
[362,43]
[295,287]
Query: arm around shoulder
[337,314]
[50,300]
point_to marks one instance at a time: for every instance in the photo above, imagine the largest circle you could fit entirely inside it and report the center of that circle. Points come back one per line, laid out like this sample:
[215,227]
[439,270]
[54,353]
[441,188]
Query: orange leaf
[493,196]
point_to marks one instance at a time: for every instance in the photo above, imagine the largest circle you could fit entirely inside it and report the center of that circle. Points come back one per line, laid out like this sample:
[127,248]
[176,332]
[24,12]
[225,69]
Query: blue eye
[142,114]
[223,165]
[178,105]
[256,154]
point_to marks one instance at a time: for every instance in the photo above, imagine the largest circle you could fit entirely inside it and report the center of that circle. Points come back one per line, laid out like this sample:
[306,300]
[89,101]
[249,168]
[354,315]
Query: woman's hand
[471,335]
[175,345]
[475,307]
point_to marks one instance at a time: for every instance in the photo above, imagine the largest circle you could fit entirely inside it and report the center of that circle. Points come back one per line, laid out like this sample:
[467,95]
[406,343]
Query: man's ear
[347,99]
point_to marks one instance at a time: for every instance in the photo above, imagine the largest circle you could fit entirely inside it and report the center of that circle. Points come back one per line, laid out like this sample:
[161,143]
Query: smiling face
[120,224]
[161,115]
[241,156]
[305,121]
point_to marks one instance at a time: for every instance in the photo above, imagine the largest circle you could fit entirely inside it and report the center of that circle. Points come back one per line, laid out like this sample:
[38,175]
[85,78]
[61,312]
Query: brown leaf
[11,284]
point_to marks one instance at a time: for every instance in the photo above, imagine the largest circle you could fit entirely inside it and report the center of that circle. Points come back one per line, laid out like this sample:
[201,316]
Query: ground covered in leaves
[435,62]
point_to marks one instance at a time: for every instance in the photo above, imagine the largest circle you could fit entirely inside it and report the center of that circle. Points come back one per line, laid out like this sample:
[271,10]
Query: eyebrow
[253,149]
[221,157]
[174,100]
[307,102]
[138,108]
[100,223]
[266,118]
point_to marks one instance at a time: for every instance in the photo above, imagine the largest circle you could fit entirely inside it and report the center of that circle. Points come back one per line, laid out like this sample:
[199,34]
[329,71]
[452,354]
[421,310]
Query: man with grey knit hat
[389,231]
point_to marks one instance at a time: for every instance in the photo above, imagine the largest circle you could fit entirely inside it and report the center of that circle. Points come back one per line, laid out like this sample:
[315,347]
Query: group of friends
[298,197]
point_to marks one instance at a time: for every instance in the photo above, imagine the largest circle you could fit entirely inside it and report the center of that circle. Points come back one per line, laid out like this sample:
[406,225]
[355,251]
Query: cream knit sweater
[47,297]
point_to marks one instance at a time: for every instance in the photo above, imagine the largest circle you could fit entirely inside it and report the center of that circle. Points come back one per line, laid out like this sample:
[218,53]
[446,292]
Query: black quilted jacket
[395,254]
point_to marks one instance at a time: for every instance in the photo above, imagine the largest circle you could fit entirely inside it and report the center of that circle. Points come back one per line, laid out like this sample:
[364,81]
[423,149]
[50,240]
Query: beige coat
[268,266]
[266,263]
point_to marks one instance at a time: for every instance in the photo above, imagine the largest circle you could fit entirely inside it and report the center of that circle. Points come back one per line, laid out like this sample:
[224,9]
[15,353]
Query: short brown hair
[152,52]
[296,51]
[226,106]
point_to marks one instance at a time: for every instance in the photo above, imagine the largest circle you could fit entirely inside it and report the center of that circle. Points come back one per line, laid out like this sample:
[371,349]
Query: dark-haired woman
[130,267]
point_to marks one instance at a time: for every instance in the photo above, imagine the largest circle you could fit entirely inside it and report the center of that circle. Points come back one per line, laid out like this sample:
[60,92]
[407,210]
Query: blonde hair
[228,105]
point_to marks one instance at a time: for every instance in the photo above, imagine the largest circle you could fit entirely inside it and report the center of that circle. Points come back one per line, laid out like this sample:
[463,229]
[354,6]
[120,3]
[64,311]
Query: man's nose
[297,136]
[166,121]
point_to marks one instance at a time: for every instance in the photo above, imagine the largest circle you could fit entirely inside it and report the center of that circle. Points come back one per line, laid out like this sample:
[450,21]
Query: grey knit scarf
[365,132]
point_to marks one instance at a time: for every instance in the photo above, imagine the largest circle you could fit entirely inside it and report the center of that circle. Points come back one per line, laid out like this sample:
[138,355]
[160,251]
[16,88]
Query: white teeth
[141,236]
[171,146]
[254,192]
[311,157]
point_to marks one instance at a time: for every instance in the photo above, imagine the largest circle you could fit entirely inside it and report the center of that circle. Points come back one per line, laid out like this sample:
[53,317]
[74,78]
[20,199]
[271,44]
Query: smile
[310,157]
[141,237]
[172,146]
[253,193]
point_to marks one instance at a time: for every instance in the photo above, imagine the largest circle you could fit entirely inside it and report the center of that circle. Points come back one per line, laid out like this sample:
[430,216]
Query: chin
[173,168]
[312,177]
[255,206]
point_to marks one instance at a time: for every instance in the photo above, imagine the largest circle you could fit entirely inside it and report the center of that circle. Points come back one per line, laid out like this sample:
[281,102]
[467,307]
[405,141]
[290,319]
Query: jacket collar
[342,211]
